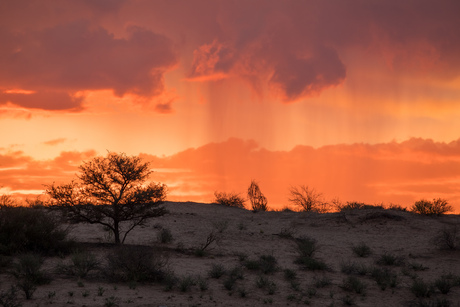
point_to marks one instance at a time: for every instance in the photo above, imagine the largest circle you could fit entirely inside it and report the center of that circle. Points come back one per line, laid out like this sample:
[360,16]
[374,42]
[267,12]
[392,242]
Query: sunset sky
[357,99]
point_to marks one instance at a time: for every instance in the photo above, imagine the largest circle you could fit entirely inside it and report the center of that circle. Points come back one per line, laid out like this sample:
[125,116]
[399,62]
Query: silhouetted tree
[308,199]
[258,200]
[110,191]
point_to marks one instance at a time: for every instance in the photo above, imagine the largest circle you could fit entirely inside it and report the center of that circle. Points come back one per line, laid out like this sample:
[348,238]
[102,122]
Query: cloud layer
[297,49]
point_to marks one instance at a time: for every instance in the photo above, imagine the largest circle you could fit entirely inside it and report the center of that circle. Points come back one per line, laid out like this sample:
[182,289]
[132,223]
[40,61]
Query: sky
[358,99]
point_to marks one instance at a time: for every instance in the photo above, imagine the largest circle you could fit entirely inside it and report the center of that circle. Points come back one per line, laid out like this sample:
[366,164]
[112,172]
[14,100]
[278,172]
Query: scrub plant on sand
[111,191]
[257,198]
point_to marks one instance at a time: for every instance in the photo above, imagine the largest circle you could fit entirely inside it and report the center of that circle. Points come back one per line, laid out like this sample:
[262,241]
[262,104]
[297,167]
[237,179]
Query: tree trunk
[116,232]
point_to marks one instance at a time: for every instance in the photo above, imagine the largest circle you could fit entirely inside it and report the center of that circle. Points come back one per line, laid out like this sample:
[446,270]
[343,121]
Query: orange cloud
[55,141]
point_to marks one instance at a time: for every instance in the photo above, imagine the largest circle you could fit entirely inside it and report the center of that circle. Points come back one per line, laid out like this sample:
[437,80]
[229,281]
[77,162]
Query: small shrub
[447,238]
[445,283]
[229,199]
[111,301]
[353,284]
[229,283]
[253,265]
[165,236]
[170,281]
[135,263]
[217,271]
[290,274]
[421,289]
[220,225]
[28,274]
[390,259]
[268,264]
[100,291]
[436,207]
[362,250]
[202,283]
[236,273]
[211,238]
[396,207]
[185,283]
[263,282]
[307,199]
[257,198]
[242,292]
[306,246]
[352,268]
[82,263]
[384,278]
[357,206]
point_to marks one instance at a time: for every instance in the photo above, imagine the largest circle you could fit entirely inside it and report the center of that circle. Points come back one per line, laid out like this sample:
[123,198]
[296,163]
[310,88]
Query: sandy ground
[244,233]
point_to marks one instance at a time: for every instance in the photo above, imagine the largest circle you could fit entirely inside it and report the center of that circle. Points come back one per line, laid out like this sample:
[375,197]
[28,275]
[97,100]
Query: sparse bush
[357,206]
[353,284]
[257,198]
[229,283]
[290,274]
[445,283]
[268,264]
[306,246]
[307,199]
[82,262]
[390,259]
[28,273]
[220,225]
[384,278]
[136,263]
[229,199]
[263,282]
[421,289]
[202,283]
[165,236]
[353,268]
[236,273]
[217,271]
[111,301]
[396,207]
[436,207]
[447,238]
[186,282]
[31,230]
[361,250]
[211,238]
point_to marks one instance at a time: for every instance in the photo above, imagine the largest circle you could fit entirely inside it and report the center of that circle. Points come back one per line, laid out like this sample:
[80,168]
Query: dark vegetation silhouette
[25,229]
[307,199]
[256,197]
[437,206]
[229,199]
[111,191]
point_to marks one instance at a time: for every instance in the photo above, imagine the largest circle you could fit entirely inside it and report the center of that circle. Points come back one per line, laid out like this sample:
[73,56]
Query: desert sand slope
[407,242]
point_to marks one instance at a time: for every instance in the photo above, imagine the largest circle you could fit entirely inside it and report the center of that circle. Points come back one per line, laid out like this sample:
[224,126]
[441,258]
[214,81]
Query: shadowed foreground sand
[242,234]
